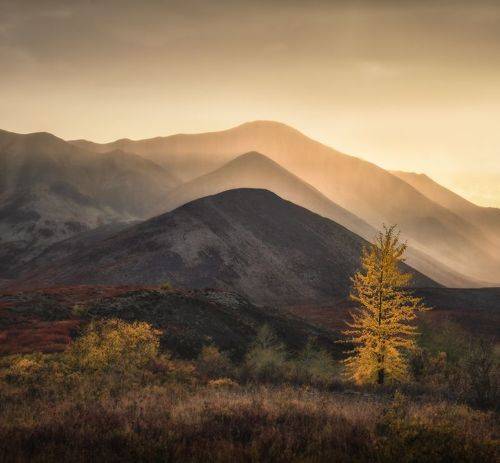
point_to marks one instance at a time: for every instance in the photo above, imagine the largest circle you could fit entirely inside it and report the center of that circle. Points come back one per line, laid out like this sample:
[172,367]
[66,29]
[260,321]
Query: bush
[211,363]
[472,376]
[313,366]
[114,345]
[447,337]
[433,371]
[25,370]
[79,310]
[480,378]
[266,360]
[405,439]
[166,369]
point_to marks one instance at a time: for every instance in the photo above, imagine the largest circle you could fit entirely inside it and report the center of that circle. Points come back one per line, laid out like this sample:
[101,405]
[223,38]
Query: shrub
[447,337]
[25,370]
[433,371]
[470,374]
[266,360]
[164,368]
[211,363]
[113,346]
[406,439]
[480,376]
[79,310]
[314,366]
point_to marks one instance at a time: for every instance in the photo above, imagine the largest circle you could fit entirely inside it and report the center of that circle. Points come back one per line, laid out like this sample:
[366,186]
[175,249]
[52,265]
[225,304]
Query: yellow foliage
[114,345]
[24,369]
[381,329]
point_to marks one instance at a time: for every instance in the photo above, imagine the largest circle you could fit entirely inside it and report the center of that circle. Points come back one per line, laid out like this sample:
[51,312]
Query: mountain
[51,190]
[254,170]
[247,240]
[486,218]
[366,190]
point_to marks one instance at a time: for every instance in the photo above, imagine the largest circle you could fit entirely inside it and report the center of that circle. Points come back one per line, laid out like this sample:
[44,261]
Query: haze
[408,85]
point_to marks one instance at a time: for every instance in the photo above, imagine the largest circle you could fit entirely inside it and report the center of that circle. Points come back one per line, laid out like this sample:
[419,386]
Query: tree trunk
[380,378]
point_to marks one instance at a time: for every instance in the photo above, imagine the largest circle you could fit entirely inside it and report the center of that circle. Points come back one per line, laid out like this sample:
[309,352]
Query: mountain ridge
[366,190]
[255,170]
[51,190]
[244,240]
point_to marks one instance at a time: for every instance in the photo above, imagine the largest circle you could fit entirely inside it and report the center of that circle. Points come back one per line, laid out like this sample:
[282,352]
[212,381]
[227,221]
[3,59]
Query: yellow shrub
[114,345]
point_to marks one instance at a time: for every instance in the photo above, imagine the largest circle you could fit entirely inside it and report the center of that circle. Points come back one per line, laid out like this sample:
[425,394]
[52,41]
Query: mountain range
[486,218]
[51,190]
[369,192]
[246,240]
[65,201]
[254,170]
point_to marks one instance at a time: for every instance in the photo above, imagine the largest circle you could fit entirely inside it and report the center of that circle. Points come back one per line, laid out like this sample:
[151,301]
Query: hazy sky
[410,85]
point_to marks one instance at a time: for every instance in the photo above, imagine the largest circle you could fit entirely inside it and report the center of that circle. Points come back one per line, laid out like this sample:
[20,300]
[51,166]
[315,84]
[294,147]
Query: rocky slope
[246,240]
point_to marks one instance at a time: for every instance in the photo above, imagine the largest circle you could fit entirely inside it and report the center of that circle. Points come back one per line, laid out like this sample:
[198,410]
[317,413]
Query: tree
[266,360]
[381,329]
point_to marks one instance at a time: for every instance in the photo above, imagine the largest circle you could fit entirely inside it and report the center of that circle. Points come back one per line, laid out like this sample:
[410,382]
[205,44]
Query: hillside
[254,170]
[248,241]
[51,190]
[476,311]
[486,218]
[366,190]
[45,320]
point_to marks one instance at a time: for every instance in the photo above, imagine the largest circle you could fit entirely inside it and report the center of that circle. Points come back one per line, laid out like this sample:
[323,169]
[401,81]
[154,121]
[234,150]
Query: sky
[409,85]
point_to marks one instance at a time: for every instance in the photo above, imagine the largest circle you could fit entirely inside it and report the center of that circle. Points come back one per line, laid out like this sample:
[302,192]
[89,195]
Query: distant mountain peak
[266,124]
[404,173]
[253,157]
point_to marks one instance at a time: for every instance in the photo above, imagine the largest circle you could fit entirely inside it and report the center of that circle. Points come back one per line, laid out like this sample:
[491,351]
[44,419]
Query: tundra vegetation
[116,395]
[113,395]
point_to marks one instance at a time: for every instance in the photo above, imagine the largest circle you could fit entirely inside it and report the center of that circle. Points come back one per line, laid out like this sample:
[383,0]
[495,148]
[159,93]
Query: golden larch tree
[381,331]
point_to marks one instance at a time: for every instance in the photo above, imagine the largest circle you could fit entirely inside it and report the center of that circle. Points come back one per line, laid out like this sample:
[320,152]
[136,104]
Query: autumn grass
[199,423]
[114,396]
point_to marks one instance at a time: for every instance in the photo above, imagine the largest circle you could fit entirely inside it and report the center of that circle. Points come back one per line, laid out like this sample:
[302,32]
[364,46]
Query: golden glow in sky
[409,85]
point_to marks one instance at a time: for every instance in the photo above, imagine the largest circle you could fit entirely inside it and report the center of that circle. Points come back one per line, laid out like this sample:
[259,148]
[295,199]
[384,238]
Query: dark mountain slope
[254,170]
[249,241]
[51,190]
[368,191]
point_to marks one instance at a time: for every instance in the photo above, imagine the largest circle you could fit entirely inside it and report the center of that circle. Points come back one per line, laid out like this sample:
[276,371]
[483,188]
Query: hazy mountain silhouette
[366,190]
[50,190]
[246,240]
[486,218]
[254,170]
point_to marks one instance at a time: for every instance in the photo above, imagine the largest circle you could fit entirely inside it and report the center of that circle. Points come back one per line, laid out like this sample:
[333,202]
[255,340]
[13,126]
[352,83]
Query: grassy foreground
[226,423]
[115,396]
